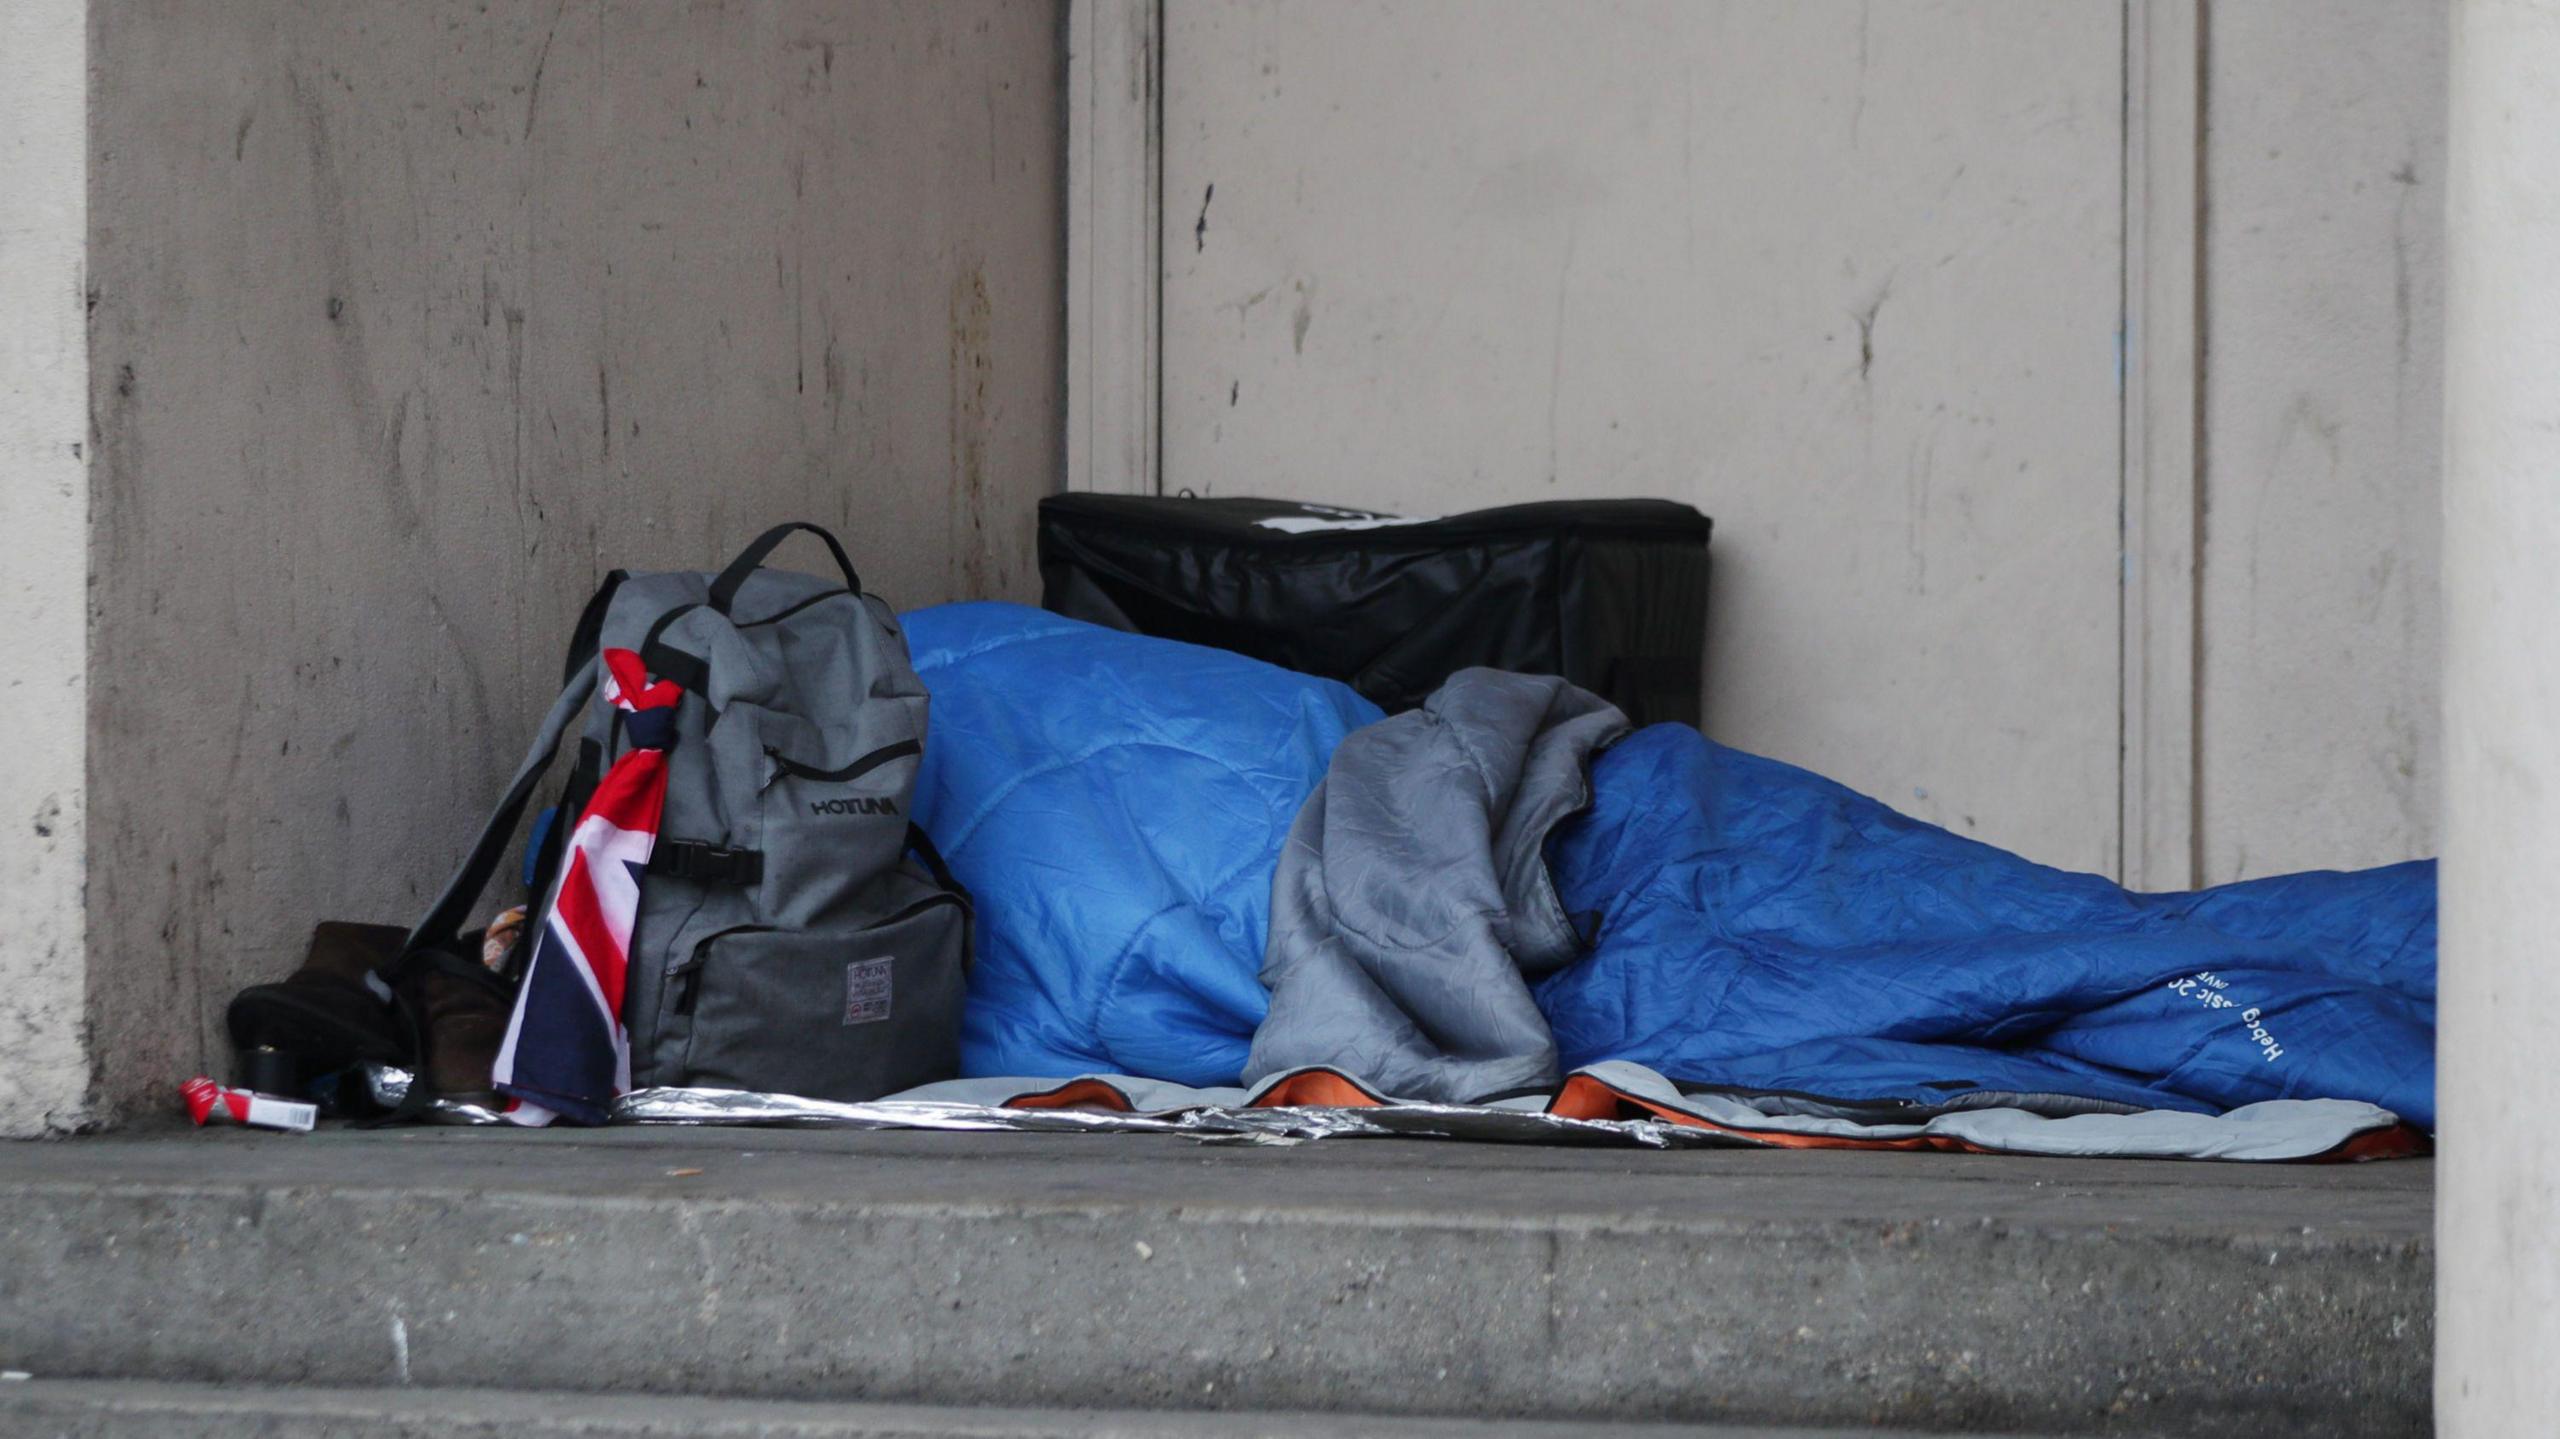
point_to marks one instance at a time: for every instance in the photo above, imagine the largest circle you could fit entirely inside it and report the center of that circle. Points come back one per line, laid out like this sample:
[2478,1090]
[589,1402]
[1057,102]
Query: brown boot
[464,1009]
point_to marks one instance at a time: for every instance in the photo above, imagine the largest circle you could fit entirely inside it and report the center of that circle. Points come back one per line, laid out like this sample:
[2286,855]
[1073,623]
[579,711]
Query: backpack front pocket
[846,1015]
[831,809]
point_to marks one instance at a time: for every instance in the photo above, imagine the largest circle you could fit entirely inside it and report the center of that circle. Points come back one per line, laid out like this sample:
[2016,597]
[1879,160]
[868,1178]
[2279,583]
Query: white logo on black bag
[866,991]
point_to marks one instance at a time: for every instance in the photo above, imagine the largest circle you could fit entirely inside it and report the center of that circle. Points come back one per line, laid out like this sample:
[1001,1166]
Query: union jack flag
[566,1054]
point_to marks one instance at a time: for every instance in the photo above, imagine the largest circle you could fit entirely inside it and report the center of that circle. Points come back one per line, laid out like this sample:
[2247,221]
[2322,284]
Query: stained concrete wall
[412,317]
[44,573]
[2323,369]
[1846,277]
[1850,278]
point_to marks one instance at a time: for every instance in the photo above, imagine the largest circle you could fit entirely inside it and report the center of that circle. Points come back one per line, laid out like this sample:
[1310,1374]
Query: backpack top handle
[724,589]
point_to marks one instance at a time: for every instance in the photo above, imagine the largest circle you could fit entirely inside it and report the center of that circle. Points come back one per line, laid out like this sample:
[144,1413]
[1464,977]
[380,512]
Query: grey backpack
[797,933]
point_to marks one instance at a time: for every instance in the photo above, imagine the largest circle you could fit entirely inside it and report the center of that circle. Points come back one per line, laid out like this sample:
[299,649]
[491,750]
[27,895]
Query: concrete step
[122,1409]
[1147,1273]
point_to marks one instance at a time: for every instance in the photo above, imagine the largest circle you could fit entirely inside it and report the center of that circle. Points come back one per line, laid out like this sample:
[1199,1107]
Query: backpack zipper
[855,770]
[689,969]
[783,614]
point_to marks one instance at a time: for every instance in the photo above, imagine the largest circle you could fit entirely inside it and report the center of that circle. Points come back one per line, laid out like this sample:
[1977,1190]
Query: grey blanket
[1413,900]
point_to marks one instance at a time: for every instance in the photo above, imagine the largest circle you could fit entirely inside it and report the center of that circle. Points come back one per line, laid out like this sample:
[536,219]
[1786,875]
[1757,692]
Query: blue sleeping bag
[1765,928]
[1117,804]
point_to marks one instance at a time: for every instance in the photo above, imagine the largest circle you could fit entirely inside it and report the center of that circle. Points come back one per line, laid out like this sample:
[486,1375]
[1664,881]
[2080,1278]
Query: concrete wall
[44,572]
[1845,277]
[1851,278]
[411,317]
[2498,1184]
[2324,335]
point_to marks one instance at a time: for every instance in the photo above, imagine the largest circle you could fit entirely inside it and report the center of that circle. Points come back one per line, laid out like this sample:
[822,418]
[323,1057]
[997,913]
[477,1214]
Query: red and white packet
[208,1102]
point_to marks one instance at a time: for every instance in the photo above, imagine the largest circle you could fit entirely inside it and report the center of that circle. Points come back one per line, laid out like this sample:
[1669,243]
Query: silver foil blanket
[1612,1104]
[1212,1123]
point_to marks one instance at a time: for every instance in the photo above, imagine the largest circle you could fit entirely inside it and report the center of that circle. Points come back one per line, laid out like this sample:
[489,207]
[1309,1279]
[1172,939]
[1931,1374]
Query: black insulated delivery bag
[1609,594]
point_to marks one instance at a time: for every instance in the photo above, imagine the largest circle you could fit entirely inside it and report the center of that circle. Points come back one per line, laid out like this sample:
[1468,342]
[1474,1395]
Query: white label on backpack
[866,991]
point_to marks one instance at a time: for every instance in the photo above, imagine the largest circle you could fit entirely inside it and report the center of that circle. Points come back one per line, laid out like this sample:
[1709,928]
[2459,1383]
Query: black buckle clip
[704,862]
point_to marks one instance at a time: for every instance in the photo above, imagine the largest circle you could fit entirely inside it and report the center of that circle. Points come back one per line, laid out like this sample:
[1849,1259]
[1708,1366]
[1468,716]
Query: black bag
[1610,594]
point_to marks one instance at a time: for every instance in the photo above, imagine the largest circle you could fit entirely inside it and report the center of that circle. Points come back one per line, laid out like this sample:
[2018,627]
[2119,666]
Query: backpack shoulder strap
[584,640]
[453,907]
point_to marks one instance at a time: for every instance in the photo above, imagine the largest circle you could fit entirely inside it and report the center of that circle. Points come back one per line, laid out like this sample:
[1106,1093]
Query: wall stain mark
[541,62]
[976,564]
[1200,227]
[1866,318]
[2405,175]
[1918,478]
[1555,350]
[1858,107]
